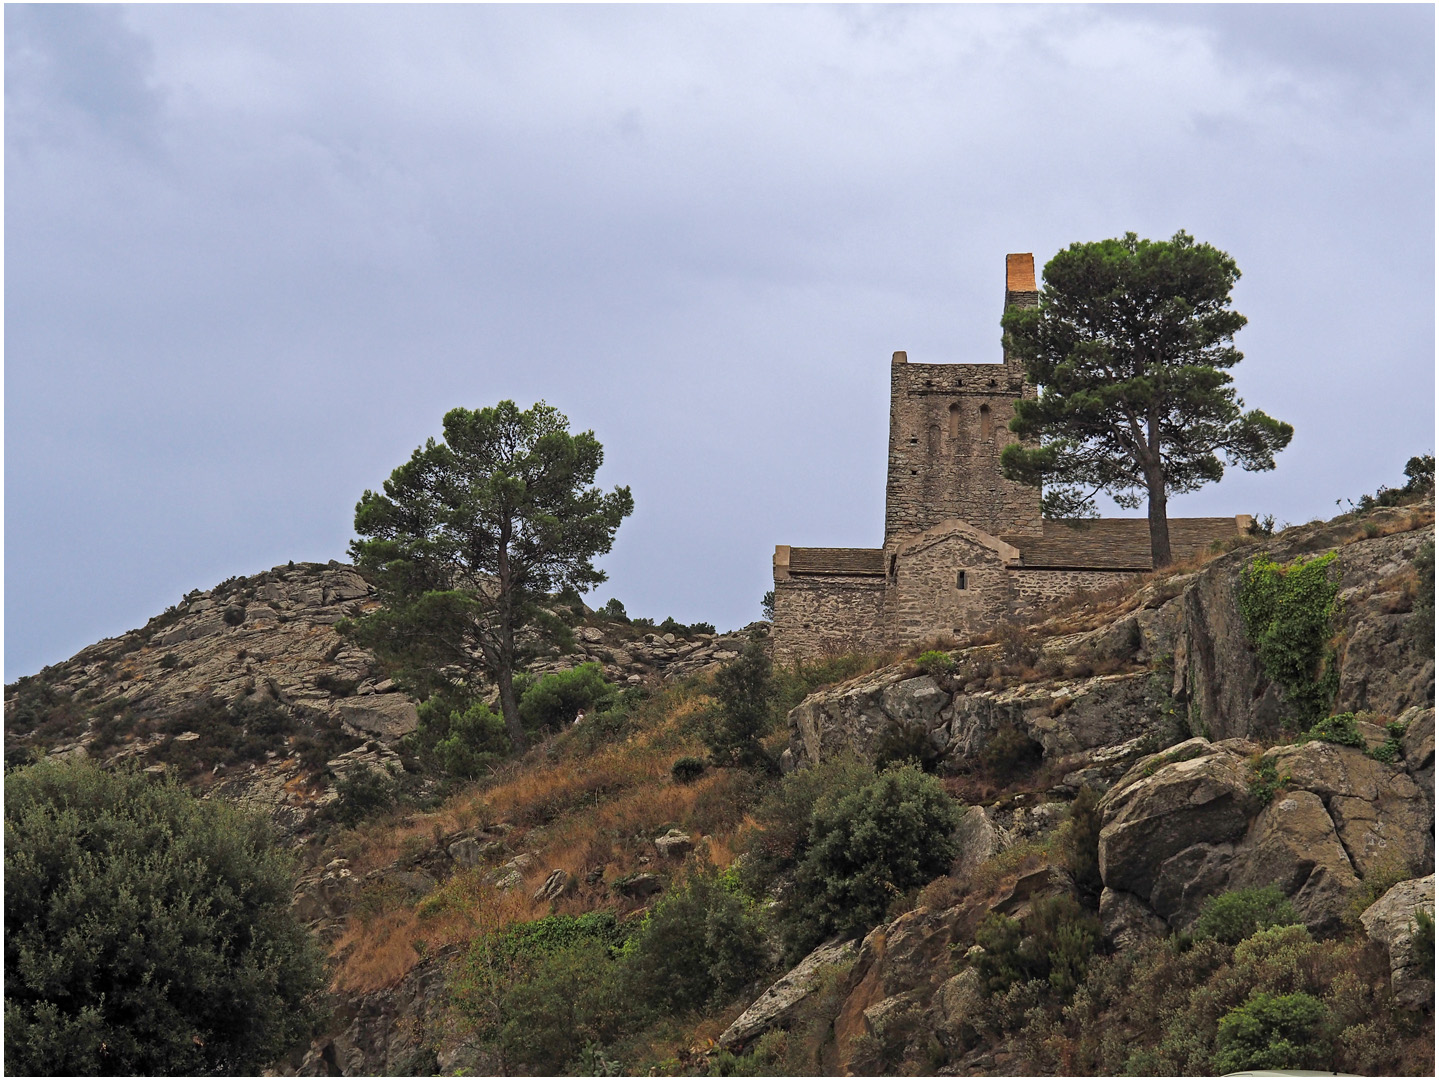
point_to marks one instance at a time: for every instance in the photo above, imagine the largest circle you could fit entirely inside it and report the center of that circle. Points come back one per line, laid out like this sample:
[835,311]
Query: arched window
[954,421]
[986,424]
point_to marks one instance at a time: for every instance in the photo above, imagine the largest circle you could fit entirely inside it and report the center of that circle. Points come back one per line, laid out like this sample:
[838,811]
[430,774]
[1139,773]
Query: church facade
[963,547]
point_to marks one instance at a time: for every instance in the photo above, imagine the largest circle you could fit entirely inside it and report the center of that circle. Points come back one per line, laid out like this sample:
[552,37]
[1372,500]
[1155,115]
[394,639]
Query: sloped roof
[1115,543]
[836,560]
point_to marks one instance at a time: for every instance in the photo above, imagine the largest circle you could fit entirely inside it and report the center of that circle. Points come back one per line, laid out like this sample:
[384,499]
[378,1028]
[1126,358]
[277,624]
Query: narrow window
[954,421]
[985,423]
[961,581]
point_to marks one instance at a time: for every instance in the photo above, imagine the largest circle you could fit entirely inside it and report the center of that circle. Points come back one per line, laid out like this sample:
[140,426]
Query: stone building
[963,547]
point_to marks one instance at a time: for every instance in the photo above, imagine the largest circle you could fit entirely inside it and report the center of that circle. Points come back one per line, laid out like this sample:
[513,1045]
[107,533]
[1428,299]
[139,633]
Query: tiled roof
[1115,543]
[836,560]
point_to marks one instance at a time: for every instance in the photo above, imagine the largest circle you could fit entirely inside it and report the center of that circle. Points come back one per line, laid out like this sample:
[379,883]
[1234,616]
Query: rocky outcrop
[1191,822]
[782,1000]
[404,1030]
[1391,920]
[1217,671]
[1079,721]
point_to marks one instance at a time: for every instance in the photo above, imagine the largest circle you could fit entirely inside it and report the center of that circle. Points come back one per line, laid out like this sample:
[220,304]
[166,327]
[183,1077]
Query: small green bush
[475,740]
[687,770]
[1273,1031]
[234,615]
[1265,781]
[614,610]
[700,944]
[555,699]
[1231,917]
[1421,949]
[744,711]
[364,793]
[935,664]
[1053,944]
[774,849]
[1079,841]
[1420,626]
[1288,613]
[1338,729]
[1009,752]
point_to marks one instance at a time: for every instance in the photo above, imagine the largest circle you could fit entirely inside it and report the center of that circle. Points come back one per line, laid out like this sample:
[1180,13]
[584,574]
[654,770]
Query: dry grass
[578,811]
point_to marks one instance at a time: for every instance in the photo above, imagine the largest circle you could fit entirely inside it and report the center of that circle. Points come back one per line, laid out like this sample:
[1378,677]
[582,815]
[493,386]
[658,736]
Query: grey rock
[638,886]
[555,886]
[674,844]
[386,715]
[1151,816]
[1391,921]
[1127,922]
[778,1003]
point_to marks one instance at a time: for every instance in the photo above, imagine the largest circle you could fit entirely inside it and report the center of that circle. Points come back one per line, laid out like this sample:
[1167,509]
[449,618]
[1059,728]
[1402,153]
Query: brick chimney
[1019,287]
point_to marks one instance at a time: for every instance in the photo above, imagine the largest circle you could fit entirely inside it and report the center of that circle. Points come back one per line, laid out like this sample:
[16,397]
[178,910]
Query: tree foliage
[745,696]
[472,535]
[146,931]
[1130,346]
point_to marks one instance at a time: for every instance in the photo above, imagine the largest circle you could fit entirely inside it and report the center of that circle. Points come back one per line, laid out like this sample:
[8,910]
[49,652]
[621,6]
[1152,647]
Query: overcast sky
[254,253]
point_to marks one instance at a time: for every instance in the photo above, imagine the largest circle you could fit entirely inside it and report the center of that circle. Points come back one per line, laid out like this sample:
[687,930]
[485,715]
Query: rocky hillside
[1155,697]
[247,690]
[1120,763]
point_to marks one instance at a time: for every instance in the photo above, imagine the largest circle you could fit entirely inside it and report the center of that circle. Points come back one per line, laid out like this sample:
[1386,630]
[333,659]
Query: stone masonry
[963,547]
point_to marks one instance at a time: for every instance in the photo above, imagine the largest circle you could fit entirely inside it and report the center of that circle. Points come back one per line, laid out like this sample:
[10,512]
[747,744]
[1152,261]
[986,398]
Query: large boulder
[1169,802]
[1391,921]
[388,716]
[1293,844]
[1380,815]
[780,1002]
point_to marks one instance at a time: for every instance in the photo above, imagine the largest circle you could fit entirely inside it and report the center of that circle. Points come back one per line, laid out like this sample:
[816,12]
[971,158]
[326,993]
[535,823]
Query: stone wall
[1035,588]
[948,424]
[928,597]
[829,613]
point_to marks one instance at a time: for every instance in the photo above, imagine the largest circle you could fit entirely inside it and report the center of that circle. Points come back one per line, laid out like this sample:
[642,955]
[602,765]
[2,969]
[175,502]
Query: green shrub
[565,1000]
[1288,612]
[776,846]
[687,770]
[699,945]
[1338,729]
[1265,781]
[613,609]
[1421,949]
[766,606]
[865,847]
[1273,1031]
[234,615]
[744,712]
[935,664]
[1079,841]
[555,699]
[363,793]
[1231,917]
[465,744]
[1053,944]
[147,932]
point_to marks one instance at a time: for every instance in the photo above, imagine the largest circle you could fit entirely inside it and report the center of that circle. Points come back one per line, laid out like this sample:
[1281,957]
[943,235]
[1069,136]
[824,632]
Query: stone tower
[947,426]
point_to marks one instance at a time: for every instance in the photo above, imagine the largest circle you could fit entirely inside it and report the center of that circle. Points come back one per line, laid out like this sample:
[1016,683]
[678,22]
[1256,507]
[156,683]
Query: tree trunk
[505,611]
[1158,518]
[508,707]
